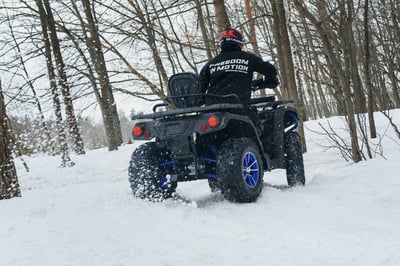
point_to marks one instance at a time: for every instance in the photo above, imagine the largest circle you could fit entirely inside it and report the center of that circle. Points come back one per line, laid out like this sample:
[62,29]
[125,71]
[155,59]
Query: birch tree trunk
[72,123]
[62,138]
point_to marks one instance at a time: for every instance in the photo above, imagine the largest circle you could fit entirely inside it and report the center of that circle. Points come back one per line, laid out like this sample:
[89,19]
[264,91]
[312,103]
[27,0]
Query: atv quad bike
[229,143]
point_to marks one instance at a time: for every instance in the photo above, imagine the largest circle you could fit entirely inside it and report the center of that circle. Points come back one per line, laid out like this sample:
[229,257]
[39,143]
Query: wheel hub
[250,169]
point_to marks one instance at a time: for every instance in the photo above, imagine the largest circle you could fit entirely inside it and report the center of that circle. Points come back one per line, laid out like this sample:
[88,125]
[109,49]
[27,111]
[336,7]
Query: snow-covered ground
[347,214]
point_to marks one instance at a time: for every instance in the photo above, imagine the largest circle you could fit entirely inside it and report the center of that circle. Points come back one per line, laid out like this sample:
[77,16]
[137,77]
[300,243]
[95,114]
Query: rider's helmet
[231,37]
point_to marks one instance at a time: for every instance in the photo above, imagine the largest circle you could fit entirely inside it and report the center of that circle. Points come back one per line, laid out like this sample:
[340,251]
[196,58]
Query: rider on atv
[231,71]
[230,141]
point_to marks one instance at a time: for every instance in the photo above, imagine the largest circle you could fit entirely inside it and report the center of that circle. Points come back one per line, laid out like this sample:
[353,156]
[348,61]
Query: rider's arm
[264,67]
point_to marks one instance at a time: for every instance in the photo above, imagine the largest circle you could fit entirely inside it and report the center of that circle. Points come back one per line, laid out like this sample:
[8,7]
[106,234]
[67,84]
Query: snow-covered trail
[347,214]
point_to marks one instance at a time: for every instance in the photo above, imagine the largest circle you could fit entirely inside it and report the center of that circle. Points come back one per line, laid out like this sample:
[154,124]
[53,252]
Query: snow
[347,214]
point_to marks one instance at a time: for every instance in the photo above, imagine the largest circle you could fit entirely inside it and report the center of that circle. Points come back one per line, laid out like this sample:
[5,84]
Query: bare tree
[367,71]
[106,101]
[48,142]
[62,138]
[288,70]
[341,77]
[331,54]
[62,78]
[221,15]
[205,33]
[252,33]
[9,185]
[252,29]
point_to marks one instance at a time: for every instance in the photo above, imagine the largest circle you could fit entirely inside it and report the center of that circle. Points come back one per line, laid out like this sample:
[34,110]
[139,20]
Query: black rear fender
[275,123]
[242,127]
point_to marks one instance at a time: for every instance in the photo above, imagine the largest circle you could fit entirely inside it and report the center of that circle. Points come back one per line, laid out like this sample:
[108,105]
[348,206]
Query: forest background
[61,62]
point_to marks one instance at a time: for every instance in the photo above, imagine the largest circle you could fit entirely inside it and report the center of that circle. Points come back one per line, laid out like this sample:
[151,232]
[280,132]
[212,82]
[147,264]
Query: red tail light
[203,127]
[137,131]
[213,121]
[146,134]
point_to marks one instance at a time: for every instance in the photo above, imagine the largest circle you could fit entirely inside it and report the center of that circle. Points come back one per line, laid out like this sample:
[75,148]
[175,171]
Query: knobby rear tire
[294,159]
[147,179]
[240,170]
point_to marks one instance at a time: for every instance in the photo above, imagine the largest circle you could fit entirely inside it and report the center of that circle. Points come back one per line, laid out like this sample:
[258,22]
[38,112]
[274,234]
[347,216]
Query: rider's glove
[271,83]
[257,84]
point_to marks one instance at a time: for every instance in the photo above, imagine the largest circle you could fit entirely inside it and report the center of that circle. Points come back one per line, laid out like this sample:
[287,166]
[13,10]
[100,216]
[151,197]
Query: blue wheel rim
[166,165]
[250,169]
[162,184]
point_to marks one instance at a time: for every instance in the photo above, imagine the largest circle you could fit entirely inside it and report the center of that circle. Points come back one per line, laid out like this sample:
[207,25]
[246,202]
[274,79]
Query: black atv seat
[184,90]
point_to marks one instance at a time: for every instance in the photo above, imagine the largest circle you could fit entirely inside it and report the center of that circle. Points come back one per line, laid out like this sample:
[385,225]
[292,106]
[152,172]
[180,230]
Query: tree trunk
[9,185]
[213,32]
[252,34]
[349,76]
[341,79]
[62,138]
[316,70]
[394,14]
[109,109]
[221,16]
[367,73]
[359,97]
[289,66]
[204,33]
[252,29]
[63,82]
[279,47]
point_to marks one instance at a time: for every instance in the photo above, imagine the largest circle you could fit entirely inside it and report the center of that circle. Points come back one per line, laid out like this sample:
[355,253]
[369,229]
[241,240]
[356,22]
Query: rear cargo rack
[207,108]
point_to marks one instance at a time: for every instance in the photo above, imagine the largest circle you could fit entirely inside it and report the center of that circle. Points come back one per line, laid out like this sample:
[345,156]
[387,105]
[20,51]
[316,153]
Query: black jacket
[232,72]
